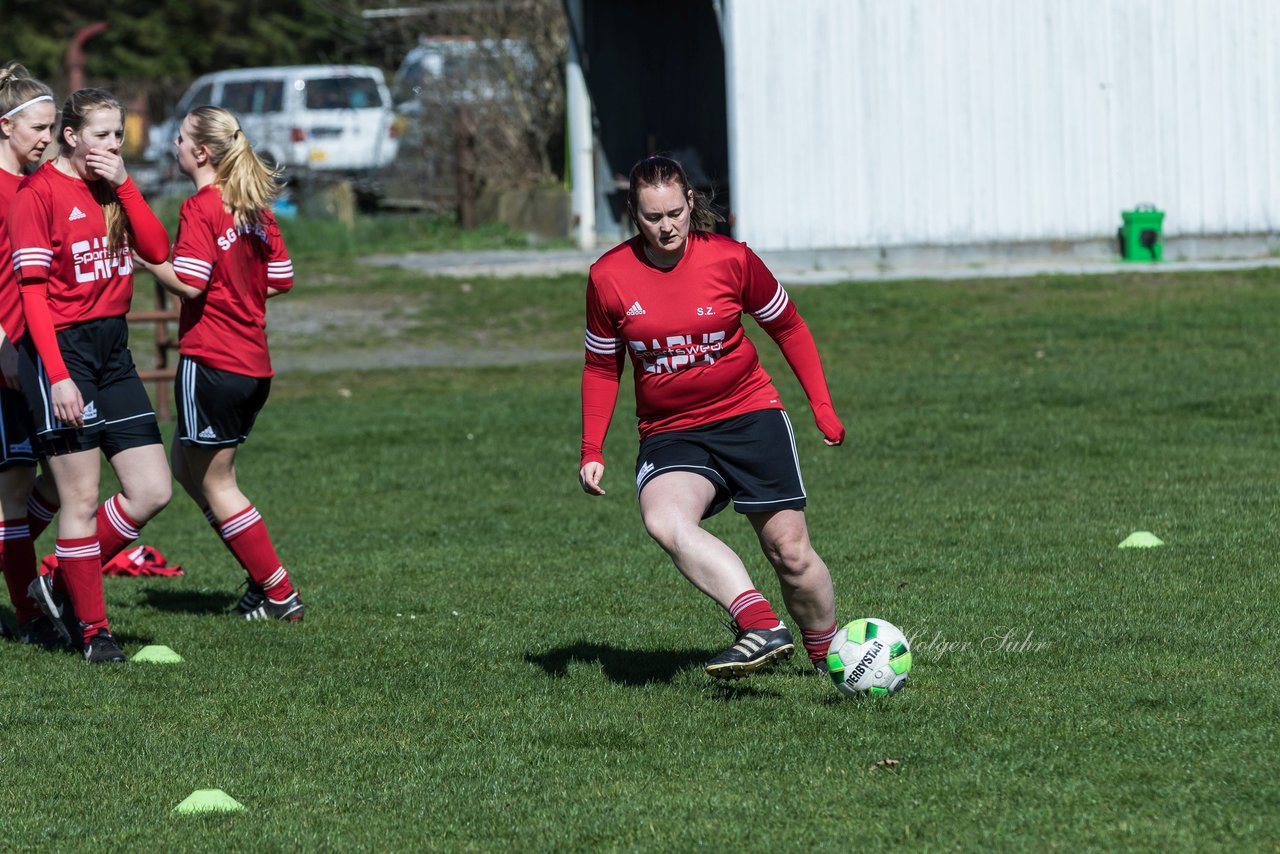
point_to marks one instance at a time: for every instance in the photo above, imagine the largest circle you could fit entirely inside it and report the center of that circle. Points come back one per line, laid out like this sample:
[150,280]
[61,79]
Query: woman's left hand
[107,165]
[829,424]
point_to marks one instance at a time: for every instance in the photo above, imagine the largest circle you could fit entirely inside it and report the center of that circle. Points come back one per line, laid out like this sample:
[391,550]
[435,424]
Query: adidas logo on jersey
[76,214]
[90,411]
[207,433]
[644,472]
[23,447]
[635,310]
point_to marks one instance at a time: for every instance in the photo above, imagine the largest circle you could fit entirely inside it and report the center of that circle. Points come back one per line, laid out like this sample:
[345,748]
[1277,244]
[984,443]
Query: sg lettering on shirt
[678,352]
[233,234]
[94,261]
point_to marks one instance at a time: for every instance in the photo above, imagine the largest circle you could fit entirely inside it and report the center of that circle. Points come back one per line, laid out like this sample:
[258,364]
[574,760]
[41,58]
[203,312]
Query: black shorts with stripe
[751,459]
[16,436]
[216,407]
[117,411]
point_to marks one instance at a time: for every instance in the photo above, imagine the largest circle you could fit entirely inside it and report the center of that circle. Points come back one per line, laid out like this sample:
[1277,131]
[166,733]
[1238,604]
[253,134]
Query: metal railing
[162,374]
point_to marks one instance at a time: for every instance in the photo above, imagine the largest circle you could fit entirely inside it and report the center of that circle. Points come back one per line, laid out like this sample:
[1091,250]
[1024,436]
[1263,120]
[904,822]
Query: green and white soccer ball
[869,657]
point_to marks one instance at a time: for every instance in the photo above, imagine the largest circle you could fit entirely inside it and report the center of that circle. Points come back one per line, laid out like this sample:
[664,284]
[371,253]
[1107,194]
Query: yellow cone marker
[156,655]
[1141,540]
[209,800]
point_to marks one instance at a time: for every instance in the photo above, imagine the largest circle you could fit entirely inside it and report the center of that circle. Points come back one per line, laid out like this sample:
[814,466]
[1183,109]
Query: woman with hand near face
[73,226]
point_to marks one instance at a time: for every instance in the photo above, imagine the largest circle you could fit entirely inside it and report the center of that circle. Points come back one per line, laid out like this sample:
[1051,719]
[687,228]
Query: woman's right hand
[590,476]
[106,164]
[68,405]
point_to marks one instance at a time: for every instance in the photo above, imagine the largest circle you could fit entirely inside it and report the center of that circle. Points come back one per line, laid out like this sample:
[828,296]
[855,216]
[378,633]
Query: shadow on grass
[130,639]
[624,666]
[187,602]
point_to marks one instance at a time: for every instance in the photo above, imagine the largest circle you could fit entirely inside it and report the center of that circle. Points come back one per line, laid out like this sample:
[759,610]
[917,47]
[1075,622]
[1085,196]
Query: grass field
[492,660]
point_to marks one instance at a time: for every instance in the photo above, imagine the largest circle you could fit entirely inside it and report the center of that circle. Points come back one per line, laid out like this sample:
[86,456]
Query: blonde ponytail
[249,186]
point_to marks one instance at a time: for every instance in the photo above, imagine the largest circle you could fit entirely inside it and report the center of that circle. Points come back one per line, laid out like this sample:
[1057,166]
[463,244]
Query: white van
[332,118]
[461,70]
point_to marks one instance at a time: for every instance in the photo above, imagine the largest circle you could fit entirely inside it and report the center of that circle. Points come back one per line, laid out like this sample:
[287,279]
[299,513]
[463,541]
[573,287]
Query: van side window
[342,93]
[198,98]
[249,97]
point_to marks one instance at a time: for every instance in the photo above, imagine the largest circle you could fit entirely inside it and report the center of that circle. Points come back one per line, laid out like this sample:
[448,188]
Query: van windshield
[342,93]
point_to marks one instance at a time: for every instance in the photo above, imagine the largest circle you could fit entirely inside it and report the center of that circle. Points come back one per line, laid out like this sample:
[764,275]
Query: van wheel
[369,196]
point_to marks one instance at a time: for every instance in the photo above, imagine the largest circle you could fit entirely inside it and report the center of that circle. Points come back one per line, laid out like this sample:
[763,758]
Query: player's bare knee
[660,527]
[791,556]
[150,500]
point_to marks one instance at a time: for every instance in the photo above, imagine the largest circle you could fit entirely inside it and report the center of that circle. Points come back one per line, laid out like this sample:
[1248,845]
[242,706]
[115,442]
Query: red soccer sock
[80,566]
[752,611]
[245,536]
[18,561]
[39,514]
[115,529]
[817,642]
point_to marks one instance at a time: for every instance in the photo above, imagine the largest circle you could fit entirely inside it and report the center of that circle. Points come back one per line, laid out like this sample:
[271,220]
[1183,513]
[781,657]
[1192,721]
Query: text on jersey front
[678,352]
[94,261]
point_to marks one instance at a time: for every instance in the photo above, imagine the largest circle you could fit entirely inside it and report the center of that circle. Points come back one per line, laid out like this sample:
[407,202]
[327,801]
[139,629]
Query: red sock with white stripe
[18,561]
[39,514]
[817,642]
[246,537]
[80,567]
[115,529]
[750,610]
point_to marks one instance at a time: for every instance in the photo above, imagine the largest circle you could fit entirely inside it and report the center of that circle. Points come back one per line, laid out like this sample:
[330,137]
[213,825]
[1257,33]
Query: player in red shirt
[27,120]
[712,426]
[73,226]
[228,259]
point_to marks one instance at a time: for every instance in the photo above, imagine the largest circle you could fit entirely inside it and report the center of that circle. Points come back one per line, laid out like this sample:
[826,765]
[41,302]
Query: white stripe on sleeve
[774,308]
[602,346]
[192,267]
[32,257]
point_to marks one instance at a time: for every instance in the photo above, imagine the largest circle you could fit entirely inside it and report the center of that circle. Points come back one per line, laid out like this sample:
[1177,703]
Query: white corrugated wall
[862,123]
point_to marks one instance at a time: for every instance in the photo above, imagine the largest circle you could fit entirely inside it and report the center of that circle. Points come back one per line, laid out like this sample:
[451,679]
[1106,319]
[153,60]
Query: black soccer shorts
[751,459]
[117,411]
[216,407]
[16,436]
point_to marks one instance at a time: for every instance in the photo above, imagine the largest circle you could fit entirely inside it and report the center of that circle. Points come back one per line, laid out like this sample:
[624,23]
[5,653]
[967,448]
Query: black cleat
[55,609]
[103,649]
[289,611]
[41,631]
[6,633]
[752,651]
[253,598]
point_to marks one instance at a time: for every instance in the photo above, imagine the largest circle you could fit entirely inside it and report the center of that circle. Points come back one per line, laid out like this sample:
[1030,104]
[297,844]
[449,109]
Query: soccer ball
[869,657]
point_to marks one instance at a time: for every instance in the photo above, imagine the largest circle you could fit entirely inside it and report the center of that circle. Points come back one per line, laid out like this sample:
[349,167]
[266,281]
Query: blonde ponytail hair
[75,112]
[248,184]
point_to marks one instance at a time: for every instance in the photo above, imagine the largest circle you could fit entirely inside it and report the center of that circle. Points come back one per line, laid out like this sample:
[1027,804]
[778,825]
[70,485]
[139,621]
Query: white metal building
[859,123]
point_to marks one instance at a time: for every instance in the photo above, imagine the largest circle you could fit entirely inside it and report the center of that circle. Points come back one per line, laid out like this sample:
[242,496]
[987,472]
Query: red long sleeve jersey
[11,319]
[57,233]
[682,328]
[226,327]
